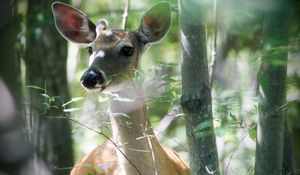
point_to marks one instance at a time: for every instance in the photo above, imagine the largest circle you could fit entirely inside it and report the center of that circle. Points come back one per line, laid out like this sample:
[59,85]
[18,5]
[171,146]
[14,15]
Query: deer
[115,55]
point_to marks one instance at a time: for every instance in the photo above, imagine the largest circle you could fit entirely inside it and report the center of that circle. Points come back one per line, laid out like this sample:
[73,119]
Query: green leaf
[252,133]
[138,75]
[227,94]
[102,98]
[47,105]
[45,95]
[75,99]
[168,78]
[232,116]
[36,87]
[165,64]
[72,109]
[204,133]
[52,99]
[56,107]
[204,125]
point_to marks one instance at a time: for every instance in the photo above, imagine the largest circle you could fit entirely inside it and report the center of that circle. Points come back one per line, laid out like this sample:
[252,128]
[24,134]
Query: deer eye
[90,50]
[127,51]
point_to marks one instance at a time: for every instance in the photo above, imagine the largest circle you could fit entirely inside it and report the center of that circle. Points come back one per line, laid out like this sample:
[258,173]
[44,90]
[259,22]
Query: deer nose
[92,78]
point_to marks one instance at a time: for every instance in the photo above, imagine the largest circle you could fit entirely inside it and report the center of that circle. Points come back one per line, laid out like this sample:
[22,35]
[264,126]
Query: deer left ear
[73,24]
[155,23]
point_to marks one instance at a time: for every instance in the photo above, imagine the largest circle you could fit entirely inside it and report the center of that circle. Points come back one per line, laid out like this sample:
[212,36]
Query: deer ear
[101,25]
[72,24]
[155,23]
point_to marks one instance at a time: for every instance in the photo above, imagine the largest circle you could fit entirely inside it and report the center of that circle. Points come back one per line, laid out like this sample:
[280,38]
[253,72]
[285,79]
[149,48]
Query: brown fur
[103,161]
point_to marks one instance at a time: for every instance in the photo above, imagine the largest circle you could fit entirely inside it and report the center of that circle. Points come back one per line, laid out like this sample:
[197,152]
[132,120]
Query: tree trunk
[14,152]
[196,94]
[10,70]
[287,161]
[272,91]
[45,60]
[295,127]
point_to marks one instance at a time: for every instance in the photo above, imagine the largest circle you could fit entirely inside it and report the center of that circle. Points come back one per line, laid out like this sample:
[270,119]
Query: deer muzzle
[94,80]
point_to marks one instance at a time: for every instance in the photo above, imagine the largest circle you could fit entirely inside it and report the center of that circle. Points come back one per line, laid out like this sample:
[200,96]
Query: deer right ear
[155,23]
[73,24]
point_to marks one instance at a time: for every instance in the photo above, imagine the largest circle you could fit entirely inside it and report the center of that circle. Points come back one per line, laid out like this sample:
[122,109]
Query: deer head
[114,53]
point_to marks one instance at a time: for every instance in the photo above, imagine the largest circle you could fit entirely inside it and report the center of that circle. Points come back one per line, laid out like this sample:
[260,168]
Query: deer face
[114,57]
[114,53]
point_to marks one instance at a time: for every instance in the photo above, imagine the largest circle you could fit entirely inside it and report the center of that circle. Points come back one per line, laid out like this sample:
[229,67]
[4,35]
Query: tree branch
[125,14]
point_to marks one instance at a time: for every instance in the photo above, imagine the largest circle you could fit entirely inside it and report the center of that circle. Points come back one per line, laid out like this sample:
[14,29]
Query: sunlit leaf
[75,99]
[102,98]
[168,78]
[72,109]
[35,87]
[45,95]
[252,133]
[165,64]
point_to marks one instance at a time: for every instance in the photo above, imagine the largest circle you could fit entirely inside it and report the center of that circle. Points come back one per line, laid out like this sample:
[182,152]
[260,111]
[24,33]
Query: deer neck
[133,133]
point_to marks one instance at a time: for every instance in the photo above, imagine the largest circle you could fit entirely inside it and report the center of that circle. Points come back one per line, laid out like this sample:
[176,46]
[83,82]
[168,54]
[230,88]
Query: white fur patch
[107,32]
[92,58]
[100,54]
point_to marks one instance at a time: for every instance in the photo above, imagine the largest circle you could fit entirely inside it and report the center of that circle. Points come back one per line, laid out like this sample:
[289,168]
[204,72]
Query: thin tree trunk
[294,121]
[287,163]
[46,55]
[294,106]
[196,94]
[272,82]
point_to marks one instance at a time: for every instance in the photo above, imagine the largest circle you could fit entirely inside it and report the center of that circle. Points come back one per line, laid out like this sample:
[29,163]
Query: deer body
[114,57]
[130,134]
